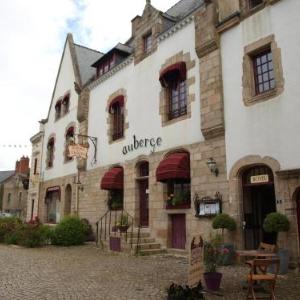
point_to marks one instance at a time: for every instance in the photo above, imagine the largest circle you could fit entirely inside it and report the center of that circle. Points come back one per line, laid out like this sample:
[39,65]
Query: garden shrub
[89,234]
[70,231]
[34,235]
[8,226]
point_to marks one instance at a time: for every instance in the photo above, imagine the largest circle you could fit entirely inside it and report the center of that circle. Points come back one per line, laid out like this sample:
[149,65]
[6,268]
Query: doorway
[178,232]
[258,201]
[143,192]
[298,211]
[68,200]
[144,203]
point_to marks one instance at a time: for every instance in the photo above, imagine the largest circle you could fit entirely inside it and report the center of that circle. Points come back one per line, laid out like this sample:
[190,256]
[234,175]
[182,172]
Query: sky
[32,36]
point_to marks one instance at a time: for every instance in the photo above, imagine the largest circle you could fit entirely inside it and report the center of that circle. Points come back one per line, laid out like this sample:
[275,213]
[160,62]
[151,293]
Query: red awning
[174,72]
[118,99]
[175,166]
[52,190]
[113,179]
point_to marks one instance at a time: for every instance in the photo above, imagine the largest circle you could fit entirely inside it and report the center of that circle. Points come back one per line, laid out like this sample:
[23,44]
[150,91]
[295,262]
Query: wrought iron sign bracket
[93,139]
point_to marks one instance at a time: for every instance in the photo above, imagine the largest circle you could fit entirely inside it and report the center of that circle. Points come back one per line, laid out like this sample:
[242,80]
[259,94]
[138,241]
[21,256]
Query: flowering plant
[213,255]
[178,197]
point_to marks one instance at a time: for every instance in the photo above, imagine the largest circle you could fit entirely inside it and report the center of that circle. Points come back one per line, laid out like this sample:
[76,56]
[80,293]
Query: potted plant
[180,199]
[276,222]
[223,221]
[123,223]
[212,278]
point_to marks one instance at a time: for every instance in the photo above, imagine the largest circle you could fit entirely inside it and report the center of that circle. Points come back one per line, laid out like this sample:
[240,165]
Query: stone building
[15,189]
[153,112]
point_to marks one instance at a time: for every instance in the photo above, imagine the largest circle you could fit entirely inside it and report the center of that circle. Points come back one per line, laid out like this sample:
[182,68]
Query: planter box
[115,243]
[178,206]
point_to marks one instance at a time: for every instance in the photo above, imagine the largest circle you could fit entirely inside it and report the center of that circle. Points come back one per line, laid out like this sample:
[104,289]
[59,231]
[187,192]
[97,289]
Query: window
[65,104]
[177,99]
[20,197]
[8,199]
[115,199]
[262,71]
[254,3]
[35,167]
[69,140]
[173,79]
[117,112]
[58,110]
[148,43]
[179,192]
[50,153]
[106,65]
[144,169]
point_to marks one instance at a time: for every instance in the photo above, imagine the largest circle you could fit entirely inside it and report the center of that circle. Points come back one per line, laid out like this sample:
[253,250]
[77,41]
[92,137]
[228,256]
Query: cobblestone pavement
[88,273]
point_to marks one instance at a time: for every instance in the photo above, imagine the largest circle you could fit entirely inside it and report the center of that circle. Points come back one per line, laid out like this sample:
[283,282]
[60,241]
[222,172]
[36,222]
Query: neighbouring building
[185,119]
[3,176]
[15,189]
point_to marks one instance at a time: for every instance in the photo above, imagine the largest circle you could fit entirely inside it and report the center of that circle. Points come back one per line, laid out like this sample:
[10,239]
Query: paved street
[88,273]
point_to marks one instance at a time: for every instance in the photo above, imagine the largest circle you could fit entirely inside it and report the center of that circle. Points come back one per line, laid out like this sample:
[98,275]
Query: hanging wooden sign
[196,261]
[77,150]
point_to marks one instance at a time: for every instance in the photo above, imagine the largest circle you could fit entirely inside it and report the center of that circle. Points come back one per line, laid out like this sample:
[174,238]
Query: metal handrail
[104,227]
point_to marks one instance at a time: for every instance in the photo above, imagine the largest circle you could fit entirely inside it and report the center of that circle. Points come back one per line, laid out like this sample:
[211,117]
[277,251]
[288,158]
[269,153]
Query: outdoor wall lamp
[212,165]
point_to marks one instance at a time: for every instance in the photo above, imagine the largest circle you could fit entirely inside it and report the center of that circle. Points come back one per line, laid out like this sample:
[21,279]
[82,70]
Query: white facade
[64,85]
[142,86]
[269,128]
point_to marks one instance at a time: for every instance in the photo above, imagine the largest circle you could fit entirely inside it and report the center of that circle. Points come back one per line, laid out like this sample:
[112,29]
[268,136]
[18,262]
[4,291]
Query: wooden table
[256,253]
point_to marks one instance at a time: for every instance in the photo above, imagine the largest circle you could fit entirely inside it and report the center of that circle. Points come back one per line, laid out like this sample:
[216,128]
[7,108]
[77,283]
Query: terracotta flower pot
[212,280]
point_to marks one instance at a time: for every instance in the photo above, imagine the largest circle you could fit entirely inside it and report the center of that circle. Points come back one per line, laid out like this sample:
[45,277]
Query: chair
[267,247]
[262,265]
[264,247]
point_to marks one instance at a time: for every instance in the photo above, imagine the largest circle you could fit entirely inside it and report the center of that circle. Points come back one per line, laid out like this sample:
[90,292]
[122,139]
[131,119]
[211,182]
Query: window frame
[179,87]
[69,134]
[117,114]
[256,73]
[148,42]
[50,152]
[249,93]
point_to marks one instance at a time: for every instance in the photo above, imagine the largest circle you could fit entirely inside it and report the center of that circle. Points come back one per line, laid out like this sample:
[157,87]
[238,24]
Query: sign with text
[77,150]
[196,261]
[259,178]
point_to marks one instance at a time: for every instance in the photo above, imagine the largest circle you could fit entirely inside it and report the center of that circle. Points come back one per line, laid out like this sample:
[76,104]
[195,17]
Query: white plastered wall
[270,128]
[142,86]
[65,83]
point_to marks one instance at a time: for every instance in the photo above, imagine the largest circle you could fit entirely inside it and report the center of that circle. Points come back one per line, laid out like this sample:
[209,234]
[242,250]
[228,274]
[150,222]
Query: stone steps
[152,251]
[146,246]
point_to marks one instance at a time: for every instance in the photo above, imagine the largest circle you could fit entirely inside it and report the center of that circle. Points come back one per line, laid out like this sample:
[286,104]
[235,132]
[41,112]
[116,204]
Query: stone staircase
[147,244]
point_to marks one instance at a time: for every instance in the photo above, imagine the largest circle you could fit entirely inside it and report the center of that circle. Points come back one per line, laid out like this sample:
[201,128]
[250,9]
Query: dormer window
[58,110]
[106,65]
[254,3]
[50,153]
[66,104]
[148,43]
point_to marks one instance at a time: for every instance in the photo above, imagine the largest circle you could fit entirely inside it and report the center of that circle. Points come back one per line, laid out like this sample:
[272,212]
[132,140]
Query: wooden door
[178,231]
[298,213]
[144,203]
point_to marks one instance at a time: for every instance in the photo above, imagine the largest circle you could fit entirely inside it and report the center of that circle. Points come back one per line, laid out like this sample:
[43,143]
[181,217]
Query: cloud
[32,36]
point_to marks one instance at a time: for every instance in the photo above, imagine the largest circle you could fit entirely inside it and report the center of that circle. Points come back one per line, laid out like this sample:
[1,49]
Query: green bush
[34,235]
[70,231]
[29,235]
[8,226]
[276,222]
[223,221]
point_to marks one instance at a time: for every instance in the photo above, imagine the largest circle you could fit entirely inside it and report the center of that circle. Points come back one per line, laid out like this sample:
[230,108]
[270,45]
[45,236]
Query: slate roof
[183,8]
[5,174]
[85,57]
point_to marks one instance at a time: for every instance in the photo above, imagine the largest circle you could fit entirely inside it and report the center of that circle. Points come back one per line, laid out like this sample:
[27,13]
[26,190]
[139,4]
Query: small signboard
[77,150]
[259,178]
[196,261]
